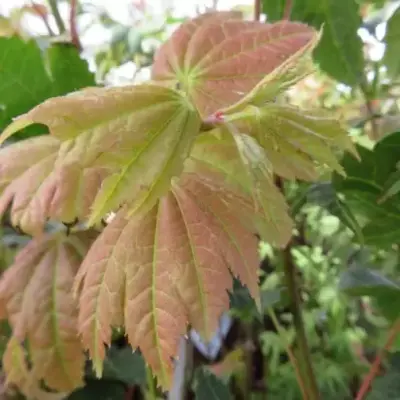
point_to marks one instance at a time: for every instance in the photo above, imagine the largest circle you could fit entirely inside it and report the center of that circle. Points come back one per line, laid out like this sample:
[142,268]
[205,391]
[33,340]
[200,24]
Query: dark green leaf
[99,390]
[25,81]
[391,186]
[121,364]
[387,303]
[339,52]
[365,185]
[270,298]
[386,387]
[209,387]
[308,11]
[325,195]
[391,57]
[68,71]
[361,281]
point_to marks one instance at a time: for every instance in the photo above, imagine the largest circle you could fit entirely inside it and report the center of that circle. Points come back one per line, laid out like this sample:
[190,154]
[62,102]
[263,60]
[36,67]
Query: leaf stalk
[57,16]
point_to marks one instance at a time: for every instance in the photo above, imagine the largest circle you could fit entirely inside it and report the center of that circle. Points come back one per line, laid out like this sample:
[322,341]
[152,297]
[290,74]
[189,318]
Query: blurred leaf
[361,281]
[391,57]
[365,185]
[24,81]
[122,364]
[209,387]
[325,195]
[99,390]
[69,71]
[339,52]
[308,11]
[386,387]
[391,186]
[269,298]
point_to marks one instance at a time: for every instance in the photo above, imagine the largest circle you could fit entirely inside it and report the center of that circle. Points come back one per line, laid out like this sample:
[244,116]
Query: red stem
[72,24]
[257,10]
[288,9]
[378,361]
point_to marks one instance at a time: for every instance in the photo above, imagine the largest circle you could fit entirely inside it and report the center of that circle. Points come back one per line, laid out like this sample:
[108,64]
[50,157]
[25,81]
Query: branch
[43,16]
[57,16]
[257,10]
[303,351]
[304,355]
[182,367]
[288,9]
[378,361]
[369,97]
[72,24]
[289,351]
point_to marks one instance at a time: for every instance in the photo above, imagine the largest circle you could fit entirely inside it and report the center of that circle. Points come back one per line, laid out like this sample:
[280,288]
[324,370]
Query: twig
[289,351]
[370,108]
[378,361]
[257,10]
[57,16]
[303,351]
[72,25]
[152,391]
[304,355]
[181,370]
[43,16]
[288,9]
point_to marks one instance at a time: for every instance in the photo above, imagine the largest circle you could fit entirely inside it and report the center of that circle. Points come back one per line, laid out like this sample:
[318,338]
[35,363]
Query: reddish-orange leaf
[222,61]
[18,373]
[36,293]
[171,266]
[40,186]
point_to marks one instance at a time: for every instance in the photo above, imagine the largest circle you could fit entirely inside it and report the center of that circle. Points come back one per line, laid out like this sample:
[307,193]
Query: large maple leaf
[40,187]
[16,366]
[217,62]
[36,297]
[172,266]
[137,138]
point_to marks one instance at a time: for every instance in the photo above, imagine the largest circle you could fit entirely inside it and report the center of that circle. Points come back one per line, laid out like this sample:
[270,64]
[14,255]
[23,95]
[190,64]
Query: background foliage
[345,248]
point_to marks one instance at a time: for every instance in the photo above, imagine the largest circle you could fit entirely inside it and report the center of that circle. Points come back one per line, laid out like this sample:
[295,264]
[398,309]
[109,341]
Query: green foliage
[392,38]
[208,387]
[28,77]
[220,173]
[339,52]
[365,190]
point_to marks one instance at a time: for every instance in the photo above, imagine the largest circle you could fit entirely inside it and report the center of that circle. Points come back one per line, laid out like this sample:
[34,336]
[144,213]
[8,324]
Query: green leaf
[325,195]
[391,57]
[124,365]
[271,297]
[339,52]
[157,158]
[23,78]
[308,11]
[99,390]
[361,281]
[386,387]
[25,82]
[69,72]
[366,184]
[209,387]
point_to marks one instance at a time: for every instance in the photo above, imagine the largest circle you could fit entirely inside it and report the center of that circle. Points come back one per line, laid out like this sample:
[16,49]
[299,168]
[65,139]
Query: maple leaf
[297,143]
[218,62]
[18,374]
[139,135]
[241,165]
[40,187]
[157,272]
[35,291]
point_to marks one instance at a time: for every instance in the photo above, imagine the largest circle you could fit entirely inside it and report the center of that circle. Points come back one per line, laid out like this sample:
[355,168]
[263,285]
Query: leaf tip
[15,126]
